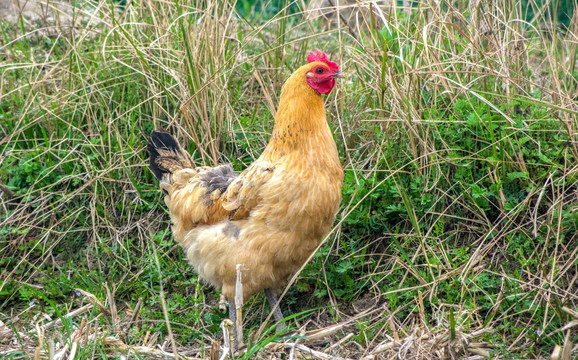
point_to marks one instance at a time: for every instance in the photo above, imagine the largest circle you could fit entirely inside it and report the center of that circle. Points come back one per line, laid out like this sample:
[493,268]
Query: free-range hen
[273,215]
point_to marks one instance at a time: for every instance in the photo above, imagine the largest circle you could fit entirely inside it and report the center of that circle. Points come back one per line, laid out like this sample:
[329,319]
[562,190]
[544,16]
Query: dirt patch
[30,10]
[42,17]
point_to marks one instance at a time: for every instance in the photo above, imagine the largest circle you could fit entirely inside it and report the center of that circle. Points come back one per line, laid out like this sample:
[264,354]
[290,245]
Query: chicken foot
[272,299]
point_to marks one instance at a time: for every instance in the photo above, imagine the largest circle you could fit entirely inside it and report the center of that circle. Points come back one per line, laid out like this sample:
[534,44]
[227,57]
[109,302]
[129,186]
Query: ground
[457,235]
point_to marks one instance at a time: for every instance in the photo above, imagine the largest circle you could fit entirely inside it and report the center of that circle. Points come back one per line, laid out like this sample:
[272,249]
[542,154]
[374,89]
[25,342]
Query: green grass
[457,133]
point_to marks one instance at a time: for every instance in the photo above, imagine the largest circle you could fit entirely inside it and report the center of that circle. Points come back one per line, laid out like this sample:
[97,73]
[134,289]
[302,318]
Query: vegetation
[458,133]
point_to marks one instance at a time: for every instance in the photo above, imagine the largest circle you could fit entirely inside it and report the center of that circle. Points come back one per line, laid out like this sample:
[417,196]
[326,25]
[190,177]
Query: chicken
[273,215]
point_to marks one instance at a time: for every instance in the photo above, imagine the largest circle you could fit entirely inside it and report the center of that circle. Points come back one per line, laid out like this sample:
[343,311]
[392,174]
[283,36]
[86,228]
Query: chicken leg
[272,299]
[233,318]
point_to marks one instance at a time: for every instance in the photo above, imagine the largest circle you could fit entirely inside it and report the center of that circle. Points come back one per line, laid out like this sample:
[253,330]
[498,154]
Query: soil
[31,10]
[40,17]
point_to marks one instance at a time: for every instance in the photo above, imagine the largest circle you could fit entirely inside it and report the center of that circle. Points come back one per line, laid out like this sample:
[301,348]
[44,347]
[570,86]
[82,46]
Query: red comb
[321,56]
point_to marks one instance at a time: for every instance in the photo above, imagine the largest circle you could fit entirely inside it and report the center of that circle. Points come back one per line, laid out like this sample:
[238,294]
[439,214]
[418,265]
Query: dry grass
[76,107]
[422,342]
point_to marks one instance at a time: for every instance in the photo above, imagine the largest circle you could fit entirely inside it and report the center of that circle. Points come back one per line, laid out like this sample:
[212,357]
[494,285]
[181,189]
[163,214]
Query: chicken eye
[319,70]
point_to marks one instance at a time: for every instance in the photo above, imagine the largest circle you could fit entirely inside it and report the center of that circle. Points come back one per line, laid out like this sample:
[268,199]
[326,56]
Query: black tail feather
[165,150]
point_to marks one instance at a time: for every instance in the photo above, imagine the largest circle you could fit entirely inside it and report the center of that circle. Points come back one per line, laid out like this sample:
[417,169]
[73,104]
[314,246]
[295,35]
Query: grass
[456,127]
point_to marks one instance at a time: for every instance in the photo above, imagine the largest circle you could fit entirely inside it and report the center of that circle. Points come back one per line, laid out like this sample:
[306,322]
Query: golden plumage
[273,215]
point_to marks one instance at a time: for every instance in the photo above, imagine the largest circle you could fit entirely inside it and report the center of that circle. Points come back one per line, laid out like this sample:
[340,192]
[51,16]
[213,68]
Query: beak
[338,75]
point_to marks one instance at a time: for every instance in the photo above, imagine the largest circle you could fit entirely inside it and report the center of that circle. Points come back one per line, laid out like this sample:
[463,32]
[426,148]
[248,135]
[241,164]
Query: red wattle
[322,88]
